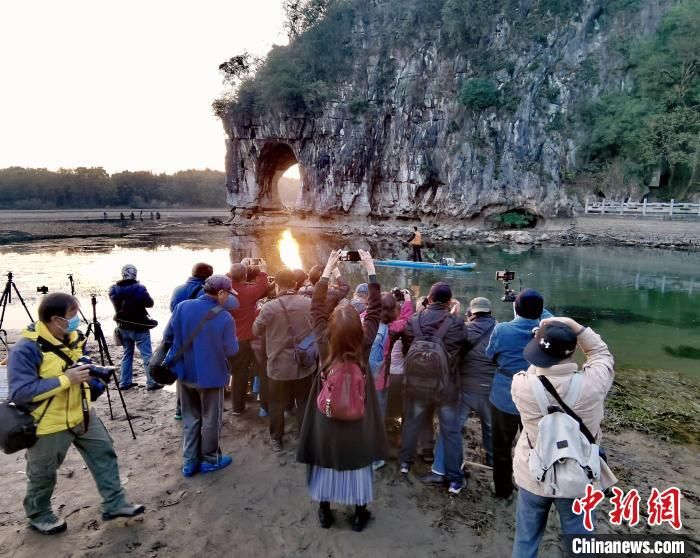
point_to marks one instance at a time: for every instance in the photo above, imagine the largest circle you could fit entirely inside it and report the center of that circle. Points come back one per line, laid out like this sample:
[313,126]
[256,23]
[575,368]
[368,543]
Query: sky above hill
[126,85]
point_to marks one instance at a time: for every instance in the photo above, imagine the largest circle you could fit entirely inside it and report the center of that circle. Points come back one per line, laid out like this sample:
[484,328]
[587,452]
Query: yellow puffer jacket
[65,410]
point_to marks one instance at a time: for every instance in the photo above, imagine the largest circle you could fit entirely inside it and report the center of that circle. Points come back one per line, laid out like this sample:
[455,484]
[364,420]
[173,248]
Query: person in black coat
[340,453]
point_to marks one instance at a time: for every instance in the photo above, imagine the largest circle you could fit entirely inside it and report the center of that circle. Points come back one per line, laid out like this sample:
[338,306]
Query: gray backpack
[427,372]
[565,458]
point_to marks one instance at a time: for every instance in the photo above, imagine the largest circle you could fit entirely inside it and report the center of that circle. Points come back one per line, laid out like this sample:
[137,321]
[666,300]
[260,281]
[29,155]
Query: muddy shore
[259,506]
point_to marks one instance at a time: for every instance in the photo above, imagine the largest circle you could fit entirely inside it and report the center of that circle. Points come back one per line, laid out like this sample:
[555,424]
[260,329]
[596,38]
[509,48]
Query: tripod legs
[105,356]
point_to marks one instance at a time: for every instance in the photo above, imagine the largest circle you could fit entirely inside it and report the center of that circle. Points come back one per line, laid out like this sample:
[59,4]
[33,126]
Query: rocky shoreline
[580,232]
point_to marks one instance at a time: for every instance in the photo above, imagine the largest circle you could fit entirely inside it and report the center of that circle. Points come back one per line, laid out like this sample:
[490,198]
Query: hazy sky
[122,84]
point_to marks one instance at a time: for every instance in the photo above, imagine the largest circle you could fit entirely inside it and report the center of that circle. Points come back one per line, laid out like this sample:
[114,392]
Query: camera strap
[47,347]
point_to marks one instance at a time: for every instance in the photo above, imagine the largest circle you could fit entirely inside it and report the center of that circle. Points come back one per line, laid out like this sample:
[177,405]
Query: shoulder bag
[161,372]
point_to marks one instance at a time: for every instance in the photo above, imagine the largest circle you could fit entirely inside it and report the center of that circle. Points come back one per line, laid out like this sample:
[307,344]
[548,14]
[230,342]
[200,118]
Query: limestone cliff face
[395,140]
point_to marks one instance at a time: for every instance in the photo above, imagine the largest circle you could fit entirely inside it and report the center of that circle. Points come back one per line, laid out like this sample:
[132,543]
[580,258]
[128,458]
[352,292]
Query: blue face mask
[73,323]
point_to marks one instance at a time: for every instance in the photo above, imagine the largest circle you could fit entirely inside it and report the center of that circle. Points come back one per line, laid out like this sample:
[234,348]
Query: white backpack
[565,458]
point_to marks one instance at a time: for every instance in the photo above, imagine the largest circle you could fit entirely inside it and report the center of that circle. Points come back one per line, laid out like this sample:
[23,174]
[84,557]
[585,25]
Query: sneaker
[236,413]
[378,464]
[276,445]
[457,486]
[126,387]
[360,519]
[325,516]
[433,479]
[223,462]
[404,468]
[154,387]
[262,413]
[178,416]
[127,510]
[190,469]
[48,525]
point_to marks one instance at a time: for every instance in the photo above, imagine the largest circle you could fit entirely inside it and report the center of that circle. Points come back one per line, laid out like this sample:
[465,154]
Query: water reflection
[644,302]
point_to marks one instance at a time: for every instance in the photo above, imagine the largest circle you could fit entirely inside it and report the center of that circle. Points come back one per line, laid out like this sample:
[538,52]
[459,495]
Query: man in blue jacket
[130,299]
[506,348]
[194,286]
[203,337]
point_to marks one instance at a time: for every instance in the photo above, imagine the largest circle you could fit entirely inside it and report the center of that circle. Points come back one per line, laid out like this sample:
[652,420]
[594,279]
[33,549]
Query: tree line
[83,187]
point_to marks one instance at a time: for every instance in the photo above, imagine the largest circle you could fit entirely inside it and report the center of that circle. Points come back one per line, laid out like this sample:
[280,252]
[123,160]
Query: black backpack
[427,372]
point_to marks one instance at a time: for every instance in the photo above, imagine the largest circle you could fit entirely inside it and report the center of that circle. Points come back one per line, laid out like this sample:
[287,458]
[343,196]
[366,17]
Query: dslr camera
[102,373]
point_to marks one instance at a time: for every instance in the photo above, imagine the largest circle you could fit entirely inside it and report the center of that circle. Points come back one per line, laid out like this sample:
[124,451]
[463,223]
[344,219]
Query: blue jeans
[142,341]
[531,521]
[383,397]
[414,411]
[468,402]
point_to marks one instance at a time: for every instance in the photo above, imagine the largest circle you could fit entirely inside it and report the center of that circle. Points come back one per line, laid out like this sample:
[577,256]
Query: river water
[644,302]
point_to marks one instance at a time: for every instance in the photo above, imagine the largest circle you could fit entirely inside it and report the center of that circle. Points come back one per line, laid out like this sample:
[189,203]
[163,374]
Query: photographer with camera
[248,293]
[130,300]
[285,325]
[42,381]
[505,347]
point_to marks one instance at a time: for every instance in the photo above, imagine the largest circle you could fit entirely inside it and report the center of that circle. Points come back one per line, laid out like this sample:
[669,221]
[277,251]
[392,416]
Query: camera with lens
[350,256]
[505,276]
[102,373]
[43,289]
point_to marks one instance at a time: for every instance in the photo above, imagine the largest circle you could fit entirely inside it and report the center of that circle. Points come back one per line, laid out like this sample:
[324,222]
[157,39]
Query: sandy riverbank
[259,506]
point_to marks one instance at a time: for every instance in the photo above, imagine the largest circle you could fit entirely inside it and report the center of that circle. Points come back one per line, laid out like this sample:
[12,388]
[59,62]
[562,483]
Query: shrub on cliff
[478,94]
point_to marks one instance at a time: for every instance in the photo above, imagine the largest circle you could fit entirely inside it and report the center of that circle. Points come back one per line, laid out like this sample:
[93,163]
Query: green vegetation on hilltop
[656,124]
[83,187]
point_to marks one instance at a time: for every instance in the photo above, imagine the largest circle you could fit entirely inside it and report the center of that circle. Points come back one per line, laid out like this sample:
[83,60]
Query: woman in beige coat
[551,353]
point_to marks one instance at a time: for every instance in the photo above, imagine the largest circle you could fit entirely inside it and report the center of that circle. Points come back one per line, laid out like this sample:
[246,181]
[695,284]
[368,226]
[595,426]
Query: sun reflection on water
[289,250]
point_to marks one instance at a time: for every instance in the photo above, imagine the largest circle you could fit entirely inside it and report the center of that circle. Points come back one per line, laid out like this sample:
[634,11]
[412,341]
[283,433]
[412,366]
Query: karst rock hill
[429,122]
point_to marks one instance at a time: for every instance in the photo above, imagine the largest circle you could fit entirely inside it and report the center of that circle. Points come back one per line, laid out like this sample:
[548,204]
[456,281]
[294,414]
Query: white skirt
[352,488]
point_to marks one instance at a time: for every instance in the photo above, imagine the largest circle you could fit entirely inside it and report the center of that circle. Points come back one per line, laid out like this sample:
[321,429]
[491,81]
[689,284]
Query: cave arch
[274,160]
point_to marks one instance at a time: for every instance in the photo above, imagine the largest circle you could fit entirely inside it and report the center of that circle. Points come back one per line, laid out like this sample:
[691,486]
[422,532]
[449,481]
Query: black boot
[360,519]
[325,515]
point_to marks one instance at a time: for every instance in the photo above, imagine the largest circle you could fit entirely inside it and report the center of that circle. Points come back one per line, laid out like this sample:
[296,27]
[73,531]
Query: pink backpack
[342,395]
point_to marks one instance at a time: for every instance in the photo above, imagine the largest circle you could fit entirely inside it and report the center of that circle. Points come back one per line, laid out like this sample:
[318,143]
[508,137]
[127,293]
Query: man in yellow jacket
[42,381]
[416,241]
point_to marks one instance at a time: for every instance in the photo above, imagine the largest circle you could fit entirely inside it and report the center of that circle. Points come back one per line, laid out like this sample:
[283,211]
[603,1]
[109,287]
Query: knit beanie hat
[129,271]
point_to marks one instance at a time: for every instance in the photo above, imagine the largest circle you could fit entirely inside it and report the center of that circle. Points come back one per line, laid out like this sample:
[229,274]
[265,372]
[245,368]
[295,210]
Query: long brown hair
[345,336]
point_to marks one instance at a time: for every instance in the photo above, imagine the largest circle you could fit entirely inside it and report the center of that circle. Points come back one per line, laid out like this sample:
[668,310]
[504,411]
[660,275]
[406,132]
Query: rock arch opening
[278,188]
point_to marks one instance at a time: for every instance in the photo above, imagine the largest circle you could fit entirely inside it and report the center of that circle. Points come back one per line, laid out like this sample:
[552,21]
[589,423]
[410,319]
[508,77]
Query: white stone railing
[642,208]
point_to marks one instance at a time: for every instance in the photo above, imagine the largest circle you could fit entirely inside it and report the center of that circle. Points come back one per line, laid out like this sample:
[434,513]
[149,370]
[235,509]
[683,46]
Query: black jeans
[243,360]
[416,254]
[504,430]
[280,394]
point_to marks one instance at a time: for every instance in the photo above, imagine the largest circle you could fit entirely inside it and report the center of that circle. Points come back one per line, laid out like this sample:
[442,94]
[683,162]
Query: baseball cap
[217,283]
[552,343]
[480,304]
[440,292]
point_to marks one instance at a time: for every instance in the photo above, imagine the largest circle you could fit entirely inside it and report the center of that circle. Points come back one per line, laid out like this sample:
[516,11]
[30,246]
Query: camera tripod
[7,299]
[95,328]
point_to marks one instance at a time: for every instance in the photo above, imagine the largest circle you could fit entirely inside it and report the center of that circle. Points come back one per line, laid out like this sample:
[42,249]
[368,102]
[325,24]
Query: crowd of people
[338,364]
